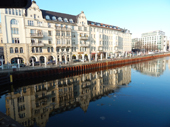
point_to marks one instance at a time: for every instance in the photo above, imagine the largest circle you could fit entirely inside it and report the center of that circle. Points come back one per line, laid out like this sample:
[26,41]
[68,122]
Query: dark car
[75,61]
[37,63]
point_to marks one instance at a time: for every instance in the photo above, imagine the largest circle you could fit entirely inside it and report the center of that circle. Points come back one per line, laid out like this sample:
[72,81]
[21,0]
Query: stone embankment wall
[63,72]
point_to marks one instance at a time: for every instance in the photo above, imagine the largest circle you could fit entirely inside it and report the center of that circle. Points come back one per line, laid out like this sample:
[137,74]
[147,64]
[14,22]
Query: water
[135,95]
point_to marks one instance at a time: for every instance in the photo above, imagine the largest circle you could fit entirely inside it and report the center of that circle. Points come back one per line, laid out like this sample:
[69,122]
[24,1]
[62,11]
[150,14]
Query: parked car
[37,63]
[76,61]
[51,62]
[21,64]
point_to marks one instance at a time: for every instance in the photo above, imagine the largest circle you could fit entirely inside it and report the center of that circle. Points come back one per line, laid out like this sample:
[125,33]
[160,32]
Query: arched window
[14,21]
[54,18]
[48,49]
[71,20]
[51,49]
[40,49]
[11,50]
[16,12]
[47,17]
[103,25]
[21,50]
[92,23]
[16,50]
[60,19]
[65,20]
[33,50]
[98,24]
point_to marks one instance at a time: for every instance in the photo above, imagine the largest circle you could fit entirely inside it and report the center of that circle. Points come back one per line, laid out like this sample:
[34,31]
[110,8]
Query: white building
[44,36]
[154,40]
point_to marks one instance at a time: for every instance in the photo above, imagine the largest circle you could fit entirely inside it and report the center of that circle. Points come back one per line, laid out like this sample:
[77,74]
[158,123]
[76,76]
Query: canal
[134,95]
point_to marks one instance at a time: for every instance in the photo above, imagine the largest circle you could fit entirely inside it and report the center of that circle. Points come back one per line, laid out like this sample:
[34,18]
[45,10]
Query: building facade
[44,36]
[154,40]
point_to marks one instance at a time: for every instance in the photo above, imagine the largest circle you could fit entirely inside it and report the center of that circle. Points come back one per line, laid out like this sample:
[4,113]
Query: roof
[57,14]
[74,17]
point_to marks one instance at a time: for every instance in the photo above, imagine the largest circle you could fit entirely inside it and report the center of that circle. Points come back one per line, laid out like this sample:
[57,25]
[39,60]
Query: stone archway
[34,59]
[15,60]
[80,56]
[74,57]
[42,59]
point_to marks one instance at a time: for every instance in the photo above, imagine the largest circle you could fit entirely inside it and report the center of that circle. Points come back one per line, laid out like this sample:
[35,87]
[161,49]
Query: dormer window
[60,19]
[71,20]
[54,18]
[103,25]
[98,24]
[92,23]
[114,27]
[65,20]
[110,26]
[47,17]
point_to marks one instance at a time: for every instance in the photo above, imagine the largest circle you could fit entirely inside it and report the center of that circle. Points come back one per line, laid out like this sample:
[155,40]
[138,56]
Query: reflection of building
[35,103]
[152,68]
[46,35]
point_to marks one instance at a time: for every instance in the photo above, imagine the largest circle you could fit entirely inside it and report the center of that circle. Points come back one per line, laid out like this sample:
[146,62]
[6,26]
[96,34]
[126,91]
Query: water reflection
[152,68]
[35,103]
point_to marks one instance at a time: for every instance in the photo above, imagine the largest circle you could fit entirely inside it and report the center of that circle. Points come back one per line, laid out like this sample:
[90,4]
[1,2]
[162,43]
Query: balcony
[84,37]
[85,44]
[40,44]
[63,45]
[36,35]
[58,28]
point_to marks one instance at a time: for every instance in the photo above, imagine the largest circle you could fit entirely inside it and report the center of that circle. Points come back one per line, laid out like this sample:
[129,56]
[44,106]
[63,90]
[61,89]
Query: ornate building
[44,36]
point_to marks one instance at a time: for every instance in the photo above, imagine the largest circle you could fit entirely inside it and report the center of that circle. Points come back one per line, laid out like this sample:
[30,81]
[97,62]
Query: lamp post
[18,62]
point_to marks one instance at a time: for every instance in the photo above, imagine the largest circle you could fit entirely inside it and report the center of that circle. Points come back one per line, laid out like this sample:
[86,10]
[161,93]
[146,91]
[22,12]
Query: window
[33,50]
[47,17]
[14,22]
[63,34]
[11,50]
[85,28]
[40,49]
[48,49]
[21,50]
[49,41]
[6,11]
[54,18]
[65,20]
[19,12]
[16,50]
[52,49]
[49,25]
[14,31]
[58,41]
[103,25]
[68,34]
[58,50]
[49,33]
[60,19]
[15,40]
[57,33]
[72,27]
[71,20]
[34,16]
[9,11]
[16,12]
[92,23]
[98,24]
[39,23]
[13,12]
[30,23]
[36,49]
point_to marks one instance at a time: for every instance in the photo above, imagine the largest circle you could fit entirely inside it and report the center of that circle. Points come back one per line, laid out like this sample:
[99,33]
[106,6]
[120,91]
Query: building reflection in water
[152,68]
[35,103]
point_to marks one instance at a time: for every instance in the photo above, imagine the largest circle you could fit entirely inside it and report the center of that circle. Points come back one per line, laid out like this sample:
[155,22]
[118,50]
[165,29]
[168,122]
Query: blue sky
[138,16]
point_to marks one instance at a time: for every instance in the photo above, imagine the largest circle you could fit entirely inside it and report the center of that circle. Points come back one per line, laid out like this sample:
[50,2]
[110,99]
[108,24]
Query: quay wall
[67,71]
